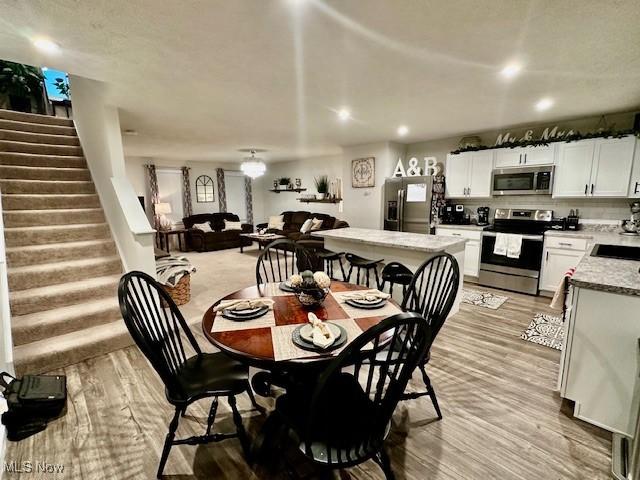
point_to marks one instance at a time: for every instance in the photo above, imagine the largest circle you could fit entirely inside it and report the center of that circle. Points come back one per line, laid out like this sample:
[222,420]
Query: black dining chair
[368,265]
[161,333]
[431,294]
[282,258]
[347,417]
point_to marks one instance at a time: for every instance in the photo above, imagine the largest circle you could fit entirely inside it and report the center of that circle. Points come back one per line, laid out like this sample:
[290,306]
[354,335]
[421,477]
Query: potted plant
[20,83]
[322,186]
[284,183]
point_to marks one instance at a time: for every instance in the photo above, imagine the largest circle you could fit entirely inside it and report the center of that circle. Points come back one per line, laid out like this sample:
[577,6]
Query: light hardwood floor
[502,417]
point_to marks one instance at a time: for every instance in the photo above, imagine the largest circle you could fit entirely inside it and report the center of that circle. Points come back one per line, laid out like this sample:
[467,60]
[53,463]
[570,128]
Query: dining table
[266,342]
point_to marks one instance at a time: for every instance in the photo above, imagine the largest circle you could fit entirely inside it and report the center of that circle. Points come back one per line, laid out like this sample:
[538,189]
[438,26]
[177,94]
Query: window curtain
[187,206]
[249,199]
[222,193]
[152,183]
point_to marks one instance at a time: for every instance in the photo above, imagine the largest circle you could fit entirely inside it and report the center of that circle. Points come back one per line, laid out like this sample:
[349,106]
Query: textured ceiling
[201,79]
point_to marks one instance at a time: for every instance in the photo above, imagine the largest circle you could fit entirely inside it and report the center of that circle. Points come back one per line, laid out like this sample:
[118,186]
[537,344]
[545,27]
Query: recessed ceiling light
[344,114]
[511,70]
[45,45]
[403,130]
[544,104]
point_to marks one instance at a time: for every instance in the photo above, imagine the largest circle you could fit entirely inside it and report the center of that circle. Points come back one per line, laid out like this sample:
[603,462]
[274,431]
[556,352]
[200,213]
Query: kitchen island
[410,249]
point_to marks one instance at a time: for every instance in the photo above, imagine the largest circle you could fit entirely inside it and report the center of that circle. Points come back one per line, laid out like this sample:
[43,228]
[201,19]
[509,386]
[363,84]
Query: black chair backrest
[433,289]
[371,376]
[156,325]
[281,259]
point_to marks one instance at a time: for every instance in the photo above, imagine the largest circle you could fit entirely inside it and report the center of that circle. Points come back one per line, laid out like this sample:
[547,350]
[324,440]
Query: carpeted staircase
[63,264]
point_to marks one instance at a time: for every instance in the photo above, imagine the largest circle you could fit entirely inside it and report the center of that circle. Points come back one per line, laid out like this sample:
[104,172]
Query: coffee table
[261,239]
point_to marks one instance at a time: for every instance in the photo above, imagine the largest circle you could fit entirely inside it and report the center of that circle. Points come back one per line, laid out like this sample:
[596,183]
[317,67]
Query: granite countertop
[605,274]
[462,227]
[410,241]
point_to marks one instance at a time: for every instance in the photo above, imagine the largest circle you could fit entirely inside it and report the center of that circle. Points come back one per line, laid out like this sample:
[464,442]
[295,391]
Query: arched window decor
[204,189]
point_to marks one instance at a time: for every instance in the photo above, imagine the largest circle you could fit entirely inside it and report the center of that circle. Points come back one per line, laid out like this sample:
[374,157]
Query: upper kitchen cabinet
[594,168]
[524,156]
[468,174]
[634,184]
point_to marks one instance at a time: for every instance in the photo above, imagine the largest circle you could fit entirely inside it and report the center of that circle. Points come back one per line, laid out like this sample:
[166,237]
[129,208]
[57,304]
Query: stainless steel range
[521,273]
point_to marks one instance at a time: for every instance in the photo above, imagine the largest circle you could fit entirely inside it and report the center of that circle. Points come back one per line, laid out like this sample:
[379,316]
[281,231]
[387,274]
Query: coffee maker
[483,216]
[453,214]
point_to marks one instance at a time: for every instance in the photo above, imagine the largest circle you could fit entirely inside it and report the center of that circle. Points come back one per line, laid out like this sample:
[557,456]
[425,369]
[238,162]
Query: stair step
[42,149]
[37,128]
[56,352]
[43,186]
[54,296]
[34,160]
[17,201]
[34,276]
[63,216]
[44,173]
[44,138]
[59,252]
[22,236]
[59,321]
[35,118]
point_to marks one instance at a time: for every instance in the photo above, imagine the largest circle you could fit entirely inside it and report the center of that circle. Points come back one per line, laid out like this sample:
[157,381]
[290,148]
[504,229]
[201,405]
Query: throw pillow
[306,226]
[205,227]
[276,222]
[316,224]
[232,225]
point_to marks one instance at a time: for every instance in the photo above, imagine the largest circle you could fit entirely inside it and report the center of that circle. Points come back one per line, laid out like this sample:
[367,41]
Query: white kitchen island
[410,249]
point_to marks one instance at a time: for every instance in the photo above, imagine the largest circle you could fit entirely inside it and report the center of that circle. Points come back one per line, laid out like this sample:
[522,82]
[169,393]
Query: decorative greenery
[62,86]
[284,181]
[322,183]
[569,138]
[20,80]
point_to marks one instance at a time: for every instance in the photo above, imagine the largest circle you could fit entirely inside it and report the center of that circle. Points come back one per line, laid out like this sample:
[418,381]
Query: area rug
[545,330]
[482,299]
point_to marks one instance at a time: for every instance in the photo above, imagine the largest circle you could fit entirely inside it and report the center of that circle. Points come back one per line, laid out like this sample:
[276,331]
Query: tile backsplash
[589,208]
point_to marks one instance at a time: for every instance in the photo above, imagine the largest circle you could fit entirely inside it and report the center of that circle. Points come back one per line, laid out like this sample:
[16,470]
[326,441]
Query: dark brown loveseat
[218,239]
[293,222]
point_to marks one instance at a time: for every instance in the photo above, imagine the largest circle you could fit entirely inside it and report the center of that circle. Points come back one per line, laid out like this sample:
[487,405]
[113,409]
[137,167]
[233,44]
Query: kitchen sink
[616,251]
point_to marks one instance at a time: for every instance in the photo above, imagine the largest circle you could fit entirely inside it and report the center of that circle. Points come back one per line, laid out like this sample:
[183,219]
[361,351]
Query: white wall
[362,207]
[98,127]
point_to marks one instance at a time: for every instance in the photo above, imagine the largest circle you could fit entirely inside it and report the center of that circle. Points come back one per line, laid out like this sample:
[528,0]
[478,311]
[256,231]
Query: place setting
[243,314]
[366,303]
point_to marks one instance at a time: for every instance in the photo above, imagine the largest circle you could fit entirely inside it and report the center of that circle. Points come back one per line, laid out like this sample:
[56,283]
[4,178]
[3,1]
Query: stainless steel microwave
[522,181]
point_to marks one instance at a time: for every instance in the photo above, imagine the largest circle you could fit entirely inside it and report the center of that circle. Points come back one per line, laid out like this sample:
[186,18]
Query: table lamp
[161,210]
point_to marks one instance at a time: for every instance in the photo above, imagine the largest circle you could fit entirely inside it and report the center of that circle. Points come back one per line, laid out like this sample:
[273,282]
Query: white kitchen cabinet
[524,156]
[594,168]
[634,183]
[559,255]
[471,247]
[468,174]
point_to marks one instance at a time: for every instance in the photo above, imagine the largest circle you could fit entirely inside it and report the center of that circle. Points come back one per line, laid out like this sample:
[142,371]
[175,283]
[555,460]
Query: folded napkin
[243,304]
[369,295]
[321,335]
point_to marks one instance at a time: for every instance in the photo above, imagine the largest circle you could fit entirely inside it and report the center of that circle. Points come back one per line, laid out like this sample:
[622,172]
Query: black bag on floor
[32,402]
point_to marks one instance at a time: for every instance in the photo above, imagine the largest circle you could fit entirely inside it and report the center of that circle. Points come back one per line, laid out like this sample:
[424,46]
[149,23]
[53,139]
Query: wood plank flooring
[502,417]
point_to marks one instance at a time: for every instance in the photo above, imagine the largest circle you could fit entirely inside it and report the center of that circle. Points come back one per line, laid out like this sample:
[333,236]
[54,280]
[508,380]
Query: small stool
[395,273]
[328,257]
[366,264]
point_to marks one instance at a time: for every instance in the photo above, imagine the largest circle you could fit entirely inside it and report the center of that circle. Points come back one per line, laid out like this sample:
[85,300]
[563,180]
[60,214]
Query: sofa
[293,222]
[218,239]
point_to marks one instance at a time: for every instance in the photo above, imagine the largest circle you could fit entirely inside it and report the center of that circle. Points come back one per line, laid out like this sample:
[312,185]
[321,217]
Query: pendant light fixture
[253,166]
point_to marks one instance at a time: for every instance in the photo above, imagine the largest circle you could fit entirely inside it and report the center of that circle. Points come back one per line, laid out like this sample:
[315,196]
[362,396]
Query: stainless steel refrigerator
[407,204]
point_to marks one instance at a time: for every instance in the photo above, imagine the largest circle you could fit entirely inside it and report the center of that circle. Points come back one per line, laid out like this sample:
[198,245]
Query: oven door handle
[535,238]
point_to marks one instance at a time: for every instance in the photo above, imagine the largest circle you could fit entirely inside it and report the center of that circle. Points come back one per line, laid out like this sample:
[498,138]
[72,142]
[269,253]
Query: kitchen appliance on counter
[483,216]
[522,181]
[631,226]
[573,220]
[407,204]
[519,274]
[453,214]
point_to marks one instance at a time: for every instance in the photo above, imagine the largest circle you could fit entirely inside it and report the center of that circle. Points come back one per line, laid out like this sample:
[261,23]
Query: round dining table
[264,343]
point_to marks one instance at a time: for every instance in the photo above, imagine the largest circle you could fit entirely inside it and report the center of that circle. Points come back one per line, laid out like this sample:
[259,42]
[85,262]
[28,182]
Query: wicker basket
[181,293]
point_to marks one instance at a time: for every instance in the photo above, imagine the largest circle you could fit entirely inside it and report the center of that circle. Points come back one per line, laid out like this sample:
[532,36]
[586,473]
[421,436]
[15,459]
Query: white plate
[307,331]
